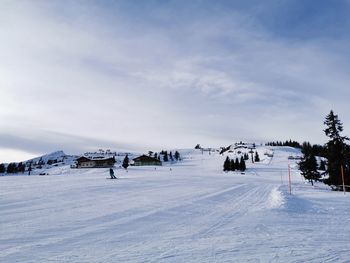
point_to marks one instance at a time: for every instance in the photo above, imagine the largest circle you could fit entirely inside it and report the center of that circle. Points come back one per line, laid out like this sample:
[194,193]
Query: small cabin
[95,162]
[146,160]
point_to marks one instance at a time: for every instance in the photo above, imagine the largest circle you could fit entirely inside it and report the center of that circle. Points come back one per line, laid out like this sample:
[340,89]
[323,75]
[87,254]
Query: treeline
[12,168]
[165,156]
[234,164]
[336,156]
[28,166]
[289,143]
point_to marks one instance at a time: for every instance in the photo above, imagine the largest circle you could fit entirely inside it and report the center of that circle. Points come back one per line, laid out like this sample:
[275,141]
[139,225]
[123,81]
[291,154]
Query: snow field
[191,213]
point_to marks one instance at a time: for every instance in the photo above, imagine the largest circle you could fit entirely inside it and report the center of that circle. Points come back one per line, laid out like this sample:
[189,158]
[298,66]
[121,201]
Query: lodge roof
[97,158]
[145,158]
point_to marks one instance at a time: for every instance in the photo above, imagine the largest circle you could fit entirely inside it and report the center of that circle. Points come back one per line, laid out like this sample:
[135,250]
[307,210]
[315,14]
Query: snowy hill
[193,212]
[58,155]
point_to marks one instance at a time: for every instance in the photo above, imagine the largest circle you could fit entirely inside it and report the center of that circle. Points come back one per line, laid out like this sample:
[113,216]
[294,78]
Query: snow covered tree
[227,164]
[41,162]
[257,157]
[126,162]
[337,151]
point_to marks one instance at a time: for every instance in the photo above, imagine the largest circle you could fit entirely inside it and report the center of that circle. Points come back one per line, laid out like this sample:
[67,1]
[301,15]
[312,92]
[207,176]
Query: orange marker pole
[342,177]
[289,180]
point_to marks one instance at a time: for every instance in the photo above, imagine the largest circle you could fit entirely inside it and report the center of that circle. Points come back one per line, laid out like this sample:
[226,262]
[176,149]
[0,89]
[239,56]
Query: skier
[111,173]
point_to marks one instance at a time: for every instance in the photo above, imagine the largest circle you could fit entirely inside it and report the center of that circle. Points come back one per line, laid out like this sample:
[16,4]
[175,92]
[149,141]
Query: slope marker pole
[342,177]
[289,180]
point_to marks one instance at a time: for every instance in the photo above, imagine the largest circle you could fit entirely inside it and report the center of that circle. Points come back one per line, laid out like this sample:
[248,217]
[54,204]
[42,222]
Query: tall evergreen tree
[237,163]
[11,168]
[171,156]
[246,156]
[257,157]
[336,150]
[21,167]
[30,168]
[308,165]
[227,164]
[233,165]
[177,156]
[2,168]
[242,165]
[165,157]
[126,162]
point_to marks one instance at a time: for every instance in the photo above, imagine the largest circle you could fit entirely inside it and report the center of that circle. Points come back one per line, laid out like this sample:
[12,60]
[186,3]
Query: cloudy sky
[81,75]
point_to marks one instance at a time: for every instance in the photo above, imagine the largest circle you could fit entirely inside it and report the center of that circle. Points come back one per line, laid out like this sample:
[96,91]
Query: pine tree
[257,158]
[171,156]
[30,168]
[11,168]
[336,151]
[21,167]
[165,157]
[126,162]
[233,165]
[246,157]
[156,155]
[2,168]
[177,156]
[242,165]
[308,165]
[227,164]
[237,163]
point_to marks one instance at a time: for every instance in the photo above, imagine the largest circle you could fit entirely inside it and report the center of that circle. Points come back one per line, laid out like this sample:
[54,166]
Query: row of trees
[21,167]
[12,168]
[166,156]
[336,152]
[234,165]
[289,143]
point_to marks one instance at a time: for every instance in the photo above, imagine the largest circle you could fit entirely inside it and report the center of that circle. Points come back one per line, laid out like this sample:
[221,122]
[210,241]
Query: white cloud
[91,72]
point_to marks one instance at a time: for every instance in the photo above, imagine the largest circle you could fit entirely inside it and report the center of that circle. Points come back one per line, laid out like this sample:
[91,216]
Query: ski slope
[193,212]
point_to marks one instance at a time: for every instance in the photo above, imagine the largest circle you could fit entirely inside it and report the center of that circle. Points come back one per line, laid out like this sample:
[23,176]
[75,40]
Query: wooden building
[95,162]
[146,160]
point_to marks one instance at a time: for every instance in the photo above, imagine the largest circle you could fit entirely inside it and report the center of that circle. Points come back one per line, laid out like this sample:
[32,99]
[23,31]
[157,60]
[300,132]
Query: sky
[150,75]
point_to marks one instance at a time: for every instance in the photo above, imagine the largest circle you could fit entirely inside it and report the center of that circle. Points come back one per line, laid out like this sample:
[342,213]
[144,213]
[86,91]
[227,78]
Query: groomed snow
[191,213]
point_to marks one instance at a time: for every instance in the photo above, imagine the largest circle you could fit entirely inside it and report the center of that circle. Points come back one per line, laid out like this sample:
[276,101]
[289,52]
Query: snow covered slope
[193,212]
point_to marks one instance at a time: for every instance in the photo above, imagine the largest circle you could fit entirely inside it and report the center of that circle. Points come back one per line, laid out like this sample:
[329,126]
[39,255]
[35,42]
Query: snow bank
[276,199]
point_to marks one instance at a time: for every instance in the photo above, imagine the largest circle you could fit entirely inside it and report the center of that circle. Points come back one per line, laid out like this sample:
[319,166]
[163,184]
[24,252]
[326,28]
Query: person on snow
[111,173]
